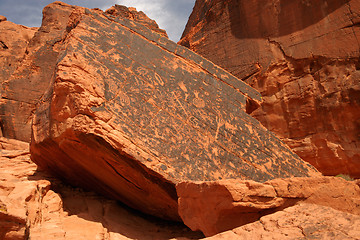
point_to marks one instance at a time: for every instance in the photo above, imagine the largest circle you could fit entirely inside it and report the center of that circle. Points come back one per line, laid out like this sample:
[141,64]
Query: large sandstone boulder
[214,207]
[303,58]
[129,114]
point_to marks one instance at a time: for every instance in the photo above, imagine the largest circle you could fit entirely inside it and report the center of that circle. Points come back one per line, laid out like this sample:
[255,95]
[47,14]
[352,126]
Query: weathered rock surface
[303,58]
[27,63]
[214,207]
[22,90]
[317,114]
[130,114]
[14,40]
[34,205]
[303,221]
[13,43]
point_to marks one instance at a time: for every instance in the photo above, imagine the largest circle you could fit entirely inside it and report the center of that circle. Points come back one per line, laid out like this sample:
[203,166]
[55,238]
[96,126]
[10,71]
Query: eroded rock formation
[214,207]
[130,113]
[303,57]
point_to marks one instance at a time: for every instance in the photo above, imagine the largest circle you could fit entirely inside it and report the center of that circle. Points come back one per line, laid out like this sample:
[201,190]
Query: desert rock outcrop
[214,207]
[130,113]
[303,57]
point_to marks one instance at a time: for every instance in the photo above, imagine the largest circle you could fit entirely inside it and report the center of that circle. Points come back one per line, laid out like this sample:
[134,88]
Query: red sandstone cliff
[303,56]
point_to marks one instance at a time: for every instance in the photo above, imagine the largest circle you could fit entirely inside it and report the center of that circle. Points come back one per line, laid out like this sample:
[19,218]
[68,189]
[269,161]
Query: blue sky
[171,15]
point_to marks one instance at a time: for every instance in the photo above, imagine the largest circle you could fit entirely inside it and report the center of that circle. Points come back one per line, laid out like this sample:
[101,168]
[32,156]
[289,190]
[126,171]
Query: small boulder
[303,221]
[214,207]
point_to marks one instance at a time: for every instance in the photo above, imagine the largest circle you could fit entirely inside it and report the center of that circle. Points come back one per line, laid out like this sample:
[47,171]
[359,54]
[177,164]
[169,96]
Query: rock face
[22,90]
[28,60]
[34,205]
[303,221]
[14,40]
[130,114]
[303,58]
[214,207]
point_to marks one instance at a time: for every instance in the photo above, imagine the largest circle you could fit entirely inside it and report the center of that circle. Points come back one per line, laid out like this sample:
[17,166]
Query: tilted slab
[130,114]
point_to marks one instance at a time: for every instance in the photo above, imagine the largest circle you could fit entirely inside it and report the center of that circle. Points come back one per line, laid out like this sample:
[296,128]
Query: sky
[171,15]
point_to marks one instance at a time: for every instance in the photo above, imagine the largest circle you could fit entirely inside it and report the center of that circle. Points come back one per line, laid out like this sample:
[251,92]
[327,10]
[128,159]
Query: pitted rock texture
[316,112]
[130,114]
[303,58]
[259,31]
[22,90]
[14,40]
[35,205]
[214,207]
[303,221]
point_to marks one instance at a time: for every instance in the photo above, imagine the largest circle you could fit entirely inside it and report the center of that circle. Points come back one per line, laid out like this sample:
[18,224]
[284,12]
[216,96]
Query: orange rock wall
[303,58]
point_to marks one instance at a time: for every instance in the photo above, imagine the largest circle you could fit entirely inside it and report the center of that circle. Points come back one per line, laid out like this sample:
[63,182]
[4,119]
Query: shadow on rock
[85,214]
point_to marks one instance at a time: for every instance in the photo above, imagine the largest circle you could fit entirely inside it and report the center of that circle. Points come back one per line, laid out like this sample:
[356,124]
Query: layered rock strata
[129,114]
[303,57]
